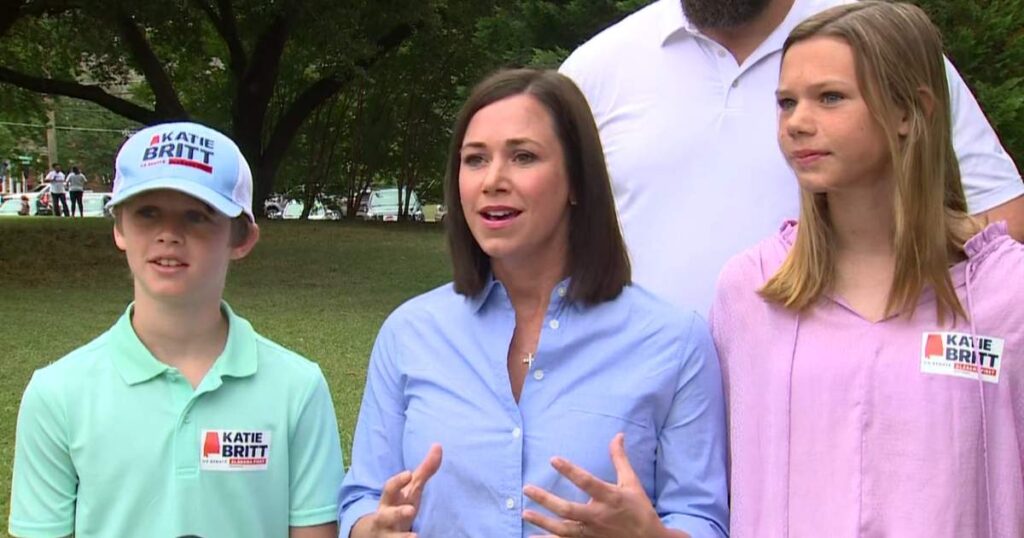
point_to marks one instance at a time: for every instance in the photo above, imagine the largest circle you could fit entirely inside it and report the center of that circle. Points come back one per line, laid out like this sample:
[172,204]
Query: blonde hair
[901,73]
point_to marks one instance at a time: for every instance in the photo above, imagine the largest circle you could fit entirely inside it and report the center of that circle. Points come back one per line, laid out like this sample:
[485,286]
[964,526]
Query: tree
[985,40]
[198,55]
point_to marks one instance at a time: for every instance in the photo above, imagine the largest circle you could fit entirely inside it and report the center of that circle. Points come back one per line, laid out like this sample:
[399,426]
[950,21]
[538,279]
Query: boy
[180,419]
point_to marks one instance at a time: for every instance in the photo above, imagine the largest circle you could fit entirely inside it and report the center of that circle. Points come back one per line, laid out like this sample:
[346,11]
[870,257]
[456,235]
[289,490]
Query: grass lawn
[321,289]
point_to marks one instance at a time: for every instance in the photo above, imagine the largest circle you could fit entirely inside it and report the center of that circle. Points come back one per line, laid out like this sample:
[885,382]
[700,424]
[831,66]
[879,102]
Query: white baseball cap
[185,157]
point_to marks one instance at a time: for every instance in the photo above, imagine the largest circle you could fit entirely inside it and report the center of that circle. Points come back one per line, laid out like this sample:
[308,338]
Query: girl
[870,352]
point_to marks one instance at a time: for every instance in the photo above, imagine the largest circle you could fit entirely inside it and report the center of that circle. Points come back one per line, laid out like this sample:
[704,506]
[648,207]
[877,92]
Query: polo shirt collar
[673,21]
[800,10]
[136,364]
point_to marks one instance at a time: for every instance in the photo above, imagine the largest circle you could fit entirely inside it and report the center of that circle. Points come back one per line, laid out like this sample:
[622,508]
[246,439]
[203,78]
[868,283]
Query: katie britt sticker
[234,450]
[953,354]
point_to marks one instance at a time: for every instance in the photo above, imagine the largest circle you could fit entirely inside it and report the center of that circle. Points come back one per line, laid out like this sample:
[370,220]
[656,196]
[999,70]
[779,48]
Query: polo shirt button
[736,84]
[188,419]
[538,374]
[516,432]
[561,291]
[510,503]
[721,53]
[553,324]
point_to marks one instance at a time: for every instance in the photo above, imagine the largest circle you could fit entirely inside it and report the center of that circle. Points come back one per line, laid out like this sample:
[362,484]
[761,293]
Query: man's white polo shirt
[690,141]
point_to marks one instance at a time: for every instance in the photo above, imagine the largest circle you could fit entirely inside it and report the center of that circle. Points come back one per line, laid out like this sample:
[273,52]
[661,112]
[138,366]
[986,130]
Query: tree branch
[388,42]
[93,94]
[227,28]
[13,10]
[257,84]
[167,102]
[321,90]
[10,12]
[300,109]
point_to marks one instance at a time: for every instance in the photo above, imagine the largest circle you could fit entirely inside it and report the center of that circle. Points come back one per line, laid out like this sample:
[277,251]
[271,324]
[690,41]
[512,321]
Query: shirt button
[721,53]
[561,291]
[735,84]
[510,503]
[553,324]
[516,432]
[538,374]
[188,418]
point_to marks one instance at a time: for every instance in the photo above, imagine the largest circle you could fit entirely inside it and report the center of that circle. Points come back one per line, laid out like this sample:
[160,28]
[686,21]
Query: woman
[76,190]
[537,356]
[858,405]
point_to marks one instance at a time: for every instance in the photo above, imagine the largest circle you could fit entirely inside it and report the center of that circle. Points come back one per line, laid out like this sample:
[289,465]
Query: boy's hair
[597,261]
[901,73]
[74,169]
[241,226]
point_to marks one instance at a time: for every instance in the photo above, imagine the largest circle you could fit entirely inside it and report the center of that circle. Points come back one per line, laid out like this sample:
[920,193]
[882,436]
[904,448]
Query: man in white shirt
[683,94]
[58,198]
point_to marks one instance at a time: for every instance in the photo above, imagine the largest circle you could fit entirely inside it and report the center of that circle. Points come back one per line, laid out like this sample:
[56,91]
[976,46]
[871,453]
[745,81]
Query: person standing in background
[76,190]
[57,197]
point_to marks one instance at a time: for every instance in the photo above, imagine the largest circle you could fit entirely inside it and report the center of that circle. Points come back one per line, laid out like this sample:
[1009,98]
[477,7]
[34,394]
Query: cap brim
[195,190]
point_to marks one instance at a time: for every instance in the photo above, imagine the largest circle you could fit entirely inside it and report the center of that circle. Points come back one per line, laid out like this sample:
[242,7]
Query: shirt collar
[673,21]
[136,364]
[481,298]
[494,292]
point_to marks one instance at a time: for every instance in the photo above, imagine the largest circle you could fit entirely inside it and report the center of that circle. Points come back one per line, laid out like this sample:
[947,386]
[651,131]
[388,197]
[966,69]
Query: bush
[985,40]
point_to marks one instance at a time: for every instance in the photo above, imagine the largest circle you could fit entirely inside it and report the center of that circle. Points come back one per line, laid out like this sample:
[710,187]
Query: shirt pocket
[588,431]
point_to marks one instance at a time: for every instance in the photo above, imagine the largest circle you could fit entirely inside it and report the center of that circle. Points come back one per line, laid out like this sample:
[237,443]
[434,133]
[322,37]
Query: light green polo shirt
[113,443]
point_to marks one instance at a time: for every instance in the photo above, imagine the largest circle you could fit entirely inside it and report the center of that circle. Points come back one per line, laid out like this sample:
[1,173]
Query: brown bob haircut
[598,264]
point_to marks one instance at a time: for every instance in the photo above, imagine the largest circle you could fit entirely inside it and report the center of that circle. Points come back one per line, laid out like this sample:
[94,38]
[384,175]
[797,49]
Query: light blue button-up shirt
[438,374]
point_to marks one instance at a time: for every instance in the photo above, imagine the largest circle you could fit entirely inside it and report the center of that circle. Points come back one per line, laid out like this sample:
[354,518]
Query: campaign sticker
[961,355]
[234,450]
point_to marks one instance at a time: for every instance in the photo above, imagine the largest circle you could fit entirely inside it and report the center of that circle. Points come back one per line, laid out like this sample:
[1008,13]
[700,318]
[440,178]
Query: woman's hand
[399,501]
[615,510]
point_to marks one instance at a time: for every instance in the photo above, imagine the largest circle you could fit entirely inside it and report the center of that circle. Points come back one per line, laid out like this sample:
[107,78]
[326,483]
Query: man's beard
[722,13]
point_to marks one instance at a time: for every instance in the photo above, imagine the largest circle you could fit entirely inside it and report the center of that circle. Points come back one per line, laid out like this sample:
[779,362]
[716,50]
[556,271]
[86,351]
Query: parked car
[273,206]
[293,210]
[382,204]
[36,206]
[93,204]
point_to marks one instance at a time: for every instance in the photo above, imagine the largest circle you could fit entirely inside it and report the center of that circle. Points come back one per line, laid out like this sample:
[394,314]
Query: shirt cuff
[348,518]
[996,197]
[313,516]
[694,526]
[22,529]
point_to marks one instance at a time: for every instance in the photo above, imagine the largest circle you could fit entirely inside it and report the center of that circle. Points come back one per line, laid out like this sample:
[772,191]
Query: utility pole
[51,134]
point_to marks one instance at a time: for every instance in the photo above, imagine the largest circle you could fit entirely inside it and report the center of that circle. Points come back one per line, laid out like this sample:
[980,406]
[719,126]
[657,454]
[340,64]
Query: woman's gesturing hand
[615,510]
[399,501]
